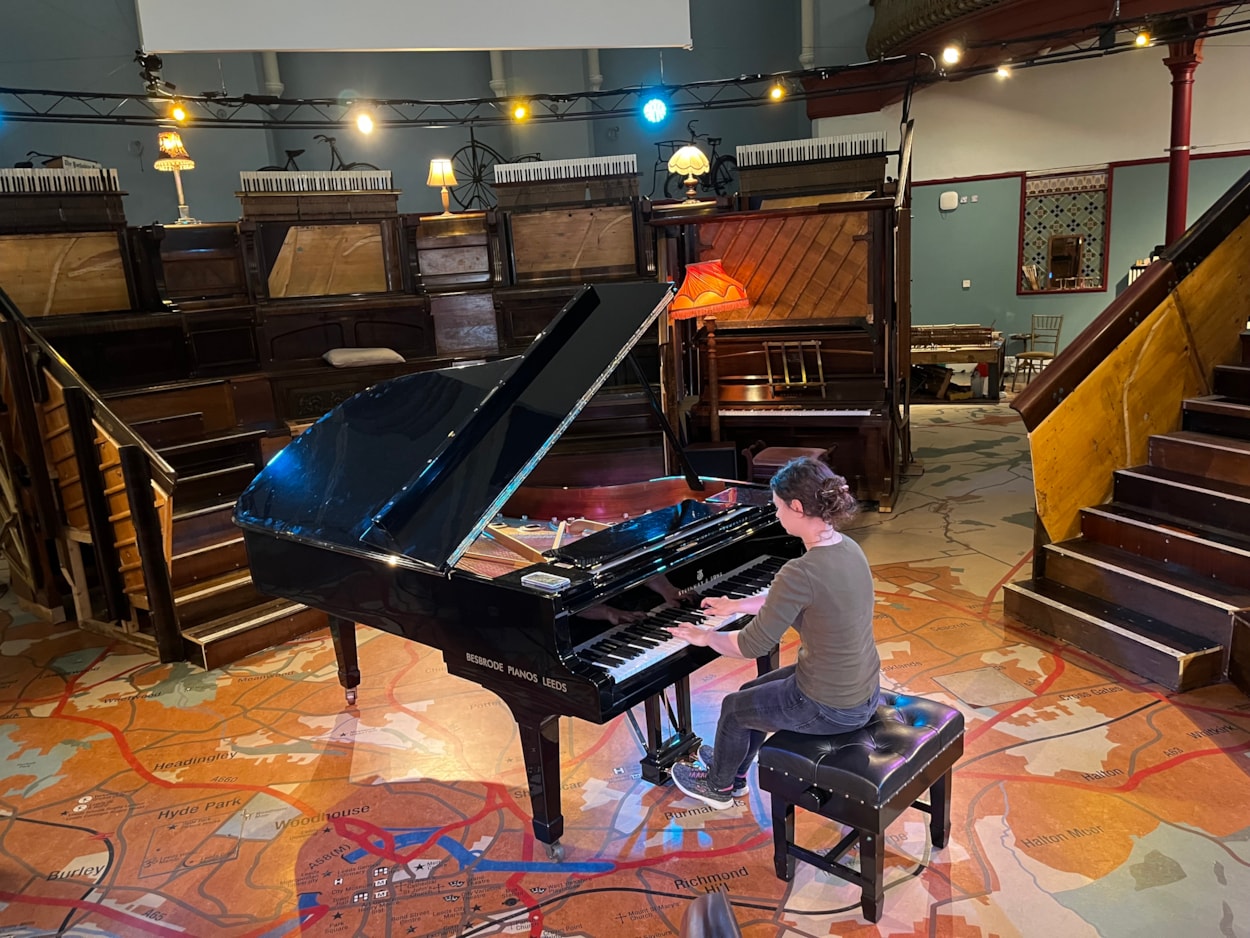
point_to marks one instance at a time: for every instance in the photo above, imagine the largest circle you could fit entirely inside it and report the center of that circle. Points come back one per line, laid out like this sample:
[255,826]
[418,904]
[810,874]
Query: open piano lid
[419,465]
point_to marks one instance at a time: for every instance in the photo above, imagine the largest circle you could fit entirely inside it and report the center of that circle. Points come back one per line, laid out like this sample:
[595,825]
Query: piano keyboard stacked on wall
[812,150]
[26,181]
[376,180]
[595,167]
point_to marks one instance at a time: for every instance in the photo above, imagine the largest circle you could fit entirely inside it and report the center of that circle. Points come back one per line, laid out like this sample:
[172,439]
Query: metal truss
[904,72]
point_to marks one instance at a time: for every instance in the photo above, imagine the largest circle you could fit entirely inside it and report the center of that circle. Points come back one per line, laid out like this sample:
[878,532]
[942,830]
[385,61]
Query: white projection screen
[410,25]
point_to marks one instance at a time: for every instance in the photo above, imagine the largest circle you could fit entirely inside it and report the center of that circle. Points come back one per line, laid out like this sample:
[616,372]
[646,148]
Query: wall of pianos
[148,372]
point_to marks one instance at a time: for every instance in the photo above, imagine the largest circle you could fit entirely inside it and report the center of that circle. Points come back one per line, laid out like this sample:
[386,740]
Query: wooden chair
[1041,345]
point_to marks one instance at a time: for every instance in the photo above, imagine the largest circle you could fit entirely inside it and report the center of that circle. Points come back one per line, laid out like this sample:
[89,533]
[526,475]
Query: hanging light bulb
[952,54]
[178,111]
[1142,38]
[777,92]
[520,110]
[1004,71]
[364,120]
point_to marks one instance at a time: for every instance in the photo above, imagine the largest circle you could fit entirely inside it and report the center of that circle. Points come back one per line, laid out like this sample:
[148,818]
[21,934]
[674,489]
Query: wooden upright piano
[816,359]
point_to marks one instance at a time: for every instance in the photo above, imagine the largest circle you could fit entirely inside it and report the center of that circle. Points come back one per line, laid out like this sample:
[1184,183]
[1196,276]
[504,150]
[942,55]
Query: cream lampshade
[690,162]
[442,174]
[174,159]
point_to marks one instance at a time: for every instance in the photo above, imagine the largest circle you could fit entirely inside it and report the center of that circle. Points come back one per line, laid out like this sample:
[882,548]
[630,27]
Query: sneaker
[740,789]
[695,784]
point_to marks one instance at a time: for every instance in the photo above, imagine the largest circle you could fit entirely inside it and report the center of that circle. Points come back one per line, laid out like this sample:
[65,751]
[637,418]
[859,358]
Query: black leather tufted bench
[863,779]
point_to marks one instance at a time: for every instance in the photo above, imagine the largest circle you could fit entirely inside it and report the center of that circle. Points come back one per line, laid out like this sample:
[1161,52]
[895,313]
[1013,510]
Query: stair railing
[1093,409]
[143,469]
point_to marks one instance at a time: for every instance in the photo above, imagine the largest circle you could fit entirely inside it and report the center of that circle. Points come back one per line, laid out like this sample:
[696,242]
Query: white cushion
[348,357]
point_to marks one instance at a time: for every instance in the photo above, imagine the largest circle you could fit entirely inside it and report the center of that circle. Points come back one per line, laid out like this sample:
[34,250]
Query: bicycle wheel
[353,167]
[723,179]
[272,169]
[474,166]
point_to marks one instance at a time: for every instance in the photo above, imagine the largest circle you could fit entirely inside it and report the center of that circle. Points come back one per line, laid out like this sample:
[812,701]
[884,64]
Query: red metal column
[1183,58]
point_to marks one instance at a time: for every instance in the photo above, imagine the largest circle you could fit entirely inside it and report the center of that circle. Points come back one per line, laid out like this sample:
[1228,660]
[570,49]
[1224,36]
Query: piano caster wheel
[351,697]
[555,852]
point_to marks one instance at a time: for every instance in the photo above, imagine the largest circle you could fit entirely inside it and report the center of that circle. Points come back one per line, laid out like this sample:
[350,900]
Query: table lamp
[442,174]
[707,289]
[690,162]
[174,158]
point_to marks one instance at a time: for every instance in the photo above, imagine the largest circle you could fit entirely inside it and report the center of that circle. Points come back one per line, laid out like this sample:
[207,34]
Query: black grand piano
[380,512]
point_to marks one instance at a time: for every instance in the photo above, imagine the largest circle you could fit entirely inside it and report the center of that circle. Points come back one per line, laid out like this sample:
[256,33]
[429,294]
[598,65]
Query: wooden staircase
[1157,577]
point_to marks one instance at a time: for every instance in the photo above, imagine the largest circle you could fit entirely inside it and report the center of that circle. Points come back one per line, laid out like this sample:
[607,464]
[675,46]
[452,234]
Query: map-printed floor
[146,799]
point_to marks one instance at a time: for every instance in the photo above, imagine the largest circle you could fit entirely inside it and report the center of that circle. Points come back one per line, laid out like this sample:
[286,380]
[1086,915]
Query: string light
[364,121]
[777,92]
[178,112]
[952,54]
[1143,38]
[1004,71]
[520,110]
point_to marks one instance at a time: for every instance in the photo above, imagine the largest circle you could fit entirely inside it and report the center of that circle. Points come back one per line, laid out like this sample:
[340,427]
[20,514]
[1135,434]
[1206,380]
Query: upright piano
[390,512]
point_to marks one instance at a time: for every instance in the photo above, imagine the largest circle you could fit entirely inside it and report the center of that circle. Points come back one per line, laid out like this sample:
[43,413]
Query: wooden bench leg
[940,810]
[783,836]
[872,869]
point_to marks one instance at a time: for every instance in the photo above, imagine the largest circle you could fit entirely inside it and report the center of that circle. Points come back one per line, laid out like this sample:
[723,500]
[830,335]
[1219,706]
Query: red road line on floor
[989,600]
[758,840]
[315,914]
[144,924]
[143,772]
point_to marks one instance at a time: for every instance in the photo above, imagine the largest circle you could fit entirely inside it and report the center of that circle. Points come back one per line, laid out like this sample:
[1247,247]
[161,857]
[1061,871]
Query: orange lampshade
[441,174]
[707,289]
[173,154]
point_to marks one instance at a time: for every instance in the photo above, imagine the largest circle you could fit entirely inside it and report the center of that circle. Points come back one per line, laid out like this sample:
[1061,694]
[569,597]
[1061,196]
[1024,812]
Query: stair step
[226,594]
[1209,502]
[205,563]
[1245,346]
[231,440]
[1157,651]
[1202,454]
[167,431]
[1232,381]
[1205,552]
[203,525]
[214,486]
[230,638]
[1164,591]
[1216,414]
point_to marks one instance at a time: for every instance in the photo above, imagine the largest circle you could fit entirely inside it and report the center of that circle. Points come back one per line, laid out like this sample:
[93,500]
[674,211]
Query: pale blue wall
[980,242]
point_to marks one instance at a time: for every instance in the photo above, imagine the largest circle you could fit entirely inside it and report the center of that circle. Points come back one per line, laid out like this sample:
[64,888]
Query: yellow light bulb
[951,54]
[1004,71]
[520,112]
[178,112]
[1143,38]
[364,122]
[777,92]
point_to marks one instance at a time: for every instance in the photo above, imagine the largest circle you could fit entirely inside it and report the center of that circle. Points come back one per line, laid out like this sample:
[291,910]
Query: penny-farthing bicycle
[474,165]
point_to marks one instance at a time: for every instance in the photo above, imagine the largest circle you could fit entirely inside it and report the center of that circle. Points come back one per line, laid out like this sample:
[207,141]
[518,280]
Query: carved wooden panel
[328,260]
[795,267]
[55,274]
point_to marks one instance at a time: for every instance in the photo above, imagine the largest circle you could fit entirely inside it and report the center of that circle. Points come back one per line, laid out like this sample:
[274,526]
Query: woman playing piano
[826,595]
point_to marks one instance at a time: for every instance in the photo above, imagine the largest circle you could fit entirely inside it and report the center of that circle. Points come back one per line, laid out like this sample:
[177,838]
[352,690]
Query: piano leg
[663,752]
[540,744]
[343,634]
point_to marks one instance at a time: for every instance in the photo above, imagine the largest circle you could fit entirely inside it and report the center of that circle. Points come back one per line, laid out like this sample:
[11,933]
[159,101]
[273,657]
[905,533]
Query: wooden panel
[795,267]
[453,251]
[328,260]
[59,452]
[464,322]
[202,262]
[574,243]
[1106,421]
[55,274]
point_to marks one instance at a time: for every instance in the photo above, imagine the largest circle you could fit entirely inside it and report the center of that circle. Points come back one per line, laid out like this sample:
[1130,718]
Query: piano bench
[762,461]
[863,780]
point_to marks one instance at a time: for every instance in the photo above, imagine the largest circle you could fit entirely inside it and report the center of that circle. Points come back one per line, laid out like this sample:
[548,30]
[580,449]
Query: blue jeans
[769,703]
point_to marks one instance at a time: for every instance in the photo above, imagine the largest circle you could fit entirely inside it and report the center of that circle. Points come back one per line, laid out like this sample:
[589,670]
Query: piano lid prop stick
[555,541]
[516,545]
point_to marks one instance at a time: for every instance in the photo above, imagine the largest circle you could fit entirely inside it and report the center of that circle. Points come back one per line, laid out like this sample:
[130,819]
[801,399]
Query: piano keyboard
[801,412]
[594,167]
[629,649]
[13,181]
[812,150]
[376,180]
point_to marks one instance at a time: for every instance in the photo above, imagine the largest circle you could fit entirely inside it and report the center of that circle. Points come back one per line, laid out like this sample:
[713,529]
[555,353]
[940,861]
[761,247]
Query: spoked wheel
[474,165]
[354,167]
[724,176]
